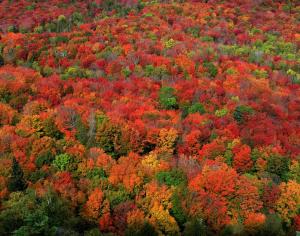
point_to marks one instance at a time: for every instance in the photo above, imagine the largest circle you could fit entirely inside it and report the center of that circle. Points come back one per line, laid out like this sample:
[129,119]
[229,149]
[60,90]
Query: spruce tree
[16,181]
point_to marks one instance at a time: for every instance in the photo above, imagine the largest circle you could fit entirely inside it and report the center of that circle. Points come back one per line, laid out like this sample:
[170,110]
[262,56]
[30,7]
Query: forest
[149,118]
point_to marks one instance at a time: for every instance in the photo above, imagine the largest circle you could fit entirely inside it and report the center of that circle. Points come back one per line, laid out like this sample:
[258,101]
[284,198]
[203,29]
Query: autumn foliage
[139,117]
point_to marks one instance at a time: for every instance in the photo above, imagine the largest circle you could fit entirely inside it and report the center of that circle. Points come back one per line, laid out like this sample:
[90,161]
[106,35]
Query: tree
[294,173]
[127,172]
[278,165]
[93,232]
[105,221]
[241,112]
[62,162]
[167,140]
[272,226]
[1,61]
[7,114]
[109,138]
[242,161]
[220,195]
[288,203]
[211,69]
[162,219]
[145,229]
[43,150]
[174,177]
[28,213]
[177,210]
[51,129]
[81,131]
[137,225]
[195,227]
[63,183]
[270,195]
[196,107]
[16,181]
[254,222]
[167,98]
[92,208]
[185,63]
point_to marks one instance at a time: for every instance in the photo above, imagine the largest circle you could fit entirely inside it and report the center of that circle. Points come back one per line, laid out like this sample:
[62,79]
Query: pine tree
[16,181]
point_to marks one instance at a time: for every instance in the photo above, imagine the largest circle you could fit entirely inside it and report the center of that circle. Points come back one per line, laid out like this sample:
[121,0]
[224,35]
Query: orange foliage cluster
[149,117]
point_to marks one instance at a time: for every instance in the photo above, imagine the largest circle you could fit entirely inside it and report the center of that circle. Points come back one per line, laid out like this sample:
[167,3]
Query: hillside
[150,118]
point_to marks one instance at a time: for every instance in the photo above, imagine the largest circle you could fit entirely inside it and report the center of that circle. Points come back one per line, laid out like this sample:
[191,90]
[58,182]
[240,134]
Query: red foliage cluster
[144,115]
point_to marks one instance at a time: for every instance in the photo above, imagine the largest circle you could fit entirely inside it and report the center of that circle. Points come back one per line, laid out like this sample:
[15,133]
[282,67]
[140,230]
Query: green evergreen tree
[16,181]
[167,98]
[141,230]
[195,227]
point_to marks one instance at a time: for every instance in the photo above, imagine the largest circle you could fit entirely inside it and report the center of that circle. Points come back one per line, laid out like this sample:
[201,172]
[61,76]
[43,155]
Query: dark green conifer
[16,181]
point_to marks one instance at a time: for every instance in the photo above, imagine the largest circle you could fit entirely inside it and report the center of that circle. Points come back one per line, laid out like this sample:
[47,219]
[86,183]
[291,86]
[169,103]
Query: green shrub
[12,28]
[212,70]
[38,29]
[149,69]
[96,173]
[74,72]
[126,72]
[260,73]
[5,95]
[158,72]
[169,43]
[295,77]
[50,27]
[120,8]
[115,197]
[167,98]
[141,230]
[294,171]
[56,40]
[81,131]
[241,112]
[272,226]
[231,71]
[221,112]
[196,107]
[148,14]
[77,18]
[37,175]
[194,31]
[62,24]
[44,158]
[279,165]
[47,71]
[109,138]
[62,161]
[228,155]
[26,213]
[50,129]
[30,7]
[207,39]
[171,178]
[195,227]
[93,232]
[177,210]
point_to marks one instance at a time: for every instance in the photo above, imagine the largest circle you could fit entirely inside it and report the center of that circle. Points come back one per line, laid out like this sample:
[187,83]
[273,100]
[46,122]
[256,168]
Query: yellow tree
[167,139]
[288,204]
[162,220]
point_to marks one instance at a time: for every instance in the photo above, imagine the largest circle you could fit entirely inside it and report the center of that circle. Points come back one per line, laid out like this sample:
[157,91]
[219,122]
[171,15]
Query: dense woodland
[145,118]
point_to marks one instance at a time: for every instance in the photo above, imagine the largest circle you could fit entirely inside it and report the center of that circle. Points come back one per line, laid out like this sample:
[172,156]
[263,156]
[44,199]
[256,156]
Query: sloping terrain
[149,117]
